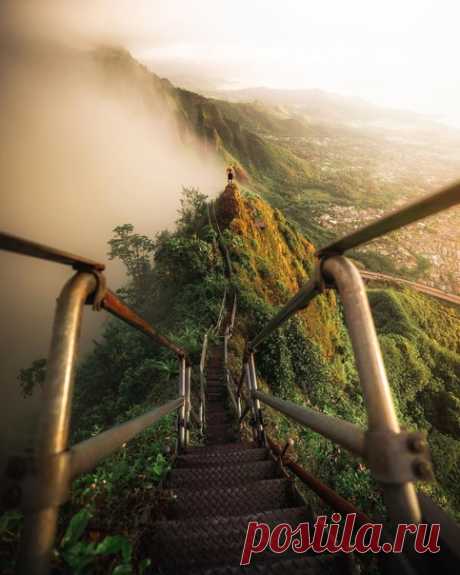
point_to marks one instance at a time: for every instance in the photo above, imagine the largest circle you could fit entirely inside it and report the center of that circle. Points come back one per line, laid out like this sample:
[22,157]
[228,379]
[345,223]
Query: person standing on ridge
[230,175]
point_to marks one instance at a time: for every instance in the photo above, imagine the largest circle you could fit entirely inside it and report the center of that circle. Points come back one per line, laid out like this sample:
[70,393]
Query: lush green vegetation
[310,360]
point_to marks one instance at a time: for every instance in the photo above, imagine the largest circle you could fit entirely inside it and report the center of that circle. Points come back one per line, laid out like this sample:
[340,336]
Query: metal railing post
[238,404]
[225,350]
[256,402]
[251,399]
[181,413]
[40,525]
[202,409]
[400,498]
[188,404]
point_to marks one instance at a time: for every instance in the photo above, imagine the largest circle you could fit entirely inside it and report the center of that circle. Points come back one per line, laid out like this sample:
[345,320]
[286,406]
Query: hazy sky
[400,53]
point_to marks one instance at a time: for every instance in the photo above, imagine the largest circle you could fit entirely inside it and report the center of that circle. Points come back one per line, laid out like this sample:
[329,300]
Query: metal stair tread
[214,538]
[216,457]
[196,477]
[238,446]
[304,565]
[248,498]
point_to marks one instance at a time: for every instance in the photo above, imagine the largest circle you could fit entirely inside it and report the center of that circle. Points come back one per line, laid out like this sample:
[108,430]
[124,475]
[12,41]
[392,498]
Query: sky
[401,54]
[396,53]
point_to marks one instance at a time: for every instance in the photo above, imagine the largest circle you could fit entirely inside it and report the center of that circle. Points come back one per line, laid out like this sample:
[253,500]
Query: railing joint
[96,298]
[396,458]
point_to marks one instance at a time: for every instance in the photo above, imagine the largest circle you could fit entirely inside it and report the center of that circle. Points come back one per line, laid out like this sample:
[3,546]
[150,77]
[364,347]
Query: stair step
[307,565]
[220,437]
[217,418]
[216,457]
[241,500]
[219,440]
[214,539]
[229,446]
[209,477]
[218,427]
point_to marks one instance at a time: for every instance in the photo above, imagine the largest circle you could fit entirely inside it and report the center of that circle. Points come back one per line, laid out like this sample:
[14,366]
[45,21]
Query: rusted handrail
[116,307]
[220,317]
[11,243]
[327,494]
[397,475]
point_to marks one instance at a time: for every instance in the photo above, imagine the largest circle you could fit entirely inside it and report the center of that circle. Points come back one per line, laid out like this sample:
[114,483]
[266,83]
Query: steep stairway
[215,490]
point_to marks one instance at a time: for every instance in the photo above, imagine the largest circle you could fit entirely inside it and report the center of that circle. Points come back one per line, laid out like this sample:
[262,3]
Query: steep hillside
[310,361]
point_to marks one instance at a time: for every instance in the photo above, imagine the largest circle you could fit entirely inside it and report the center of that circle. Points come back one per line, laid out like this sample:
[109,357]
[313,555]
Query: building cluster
[430,247]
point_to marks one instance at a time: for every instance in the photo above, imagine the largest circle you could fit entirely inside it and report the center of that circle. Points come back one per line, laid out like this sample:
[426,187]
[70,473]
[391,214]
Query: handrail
[398,488]
[422,288]
[414,211]
[298,302]
[18,245]
[327,494]
[56,465]
[220,317]
[87,454]
[232,315]
[116,307]
[346,434]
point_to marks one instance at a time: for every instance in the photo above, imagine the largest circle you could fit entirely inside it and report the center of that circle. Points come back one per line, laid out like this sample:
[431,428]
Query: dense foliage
[310,360]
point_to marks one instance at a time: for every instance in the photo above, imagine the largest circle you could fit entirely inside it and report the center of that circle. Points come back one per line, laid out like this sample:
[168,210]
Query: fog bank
[86,144]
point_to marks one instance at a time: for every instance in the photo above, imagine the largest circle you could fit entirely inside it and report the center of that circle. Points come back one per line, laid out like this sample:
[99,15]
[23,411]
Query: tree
[134,250]
[32,376]
[192,211]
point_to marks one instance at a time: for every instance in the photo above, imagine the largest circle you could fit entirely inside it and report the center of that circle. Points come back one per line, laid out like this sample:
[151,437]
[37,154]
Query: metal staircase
[215,490]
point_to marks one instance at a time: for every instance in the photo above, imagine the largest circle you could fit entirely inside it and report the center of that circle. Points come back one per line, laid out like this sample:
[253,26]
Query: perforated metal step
[240,500]
[213,540]
[211,457]
[239,446]
[198,477]
[320,565]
